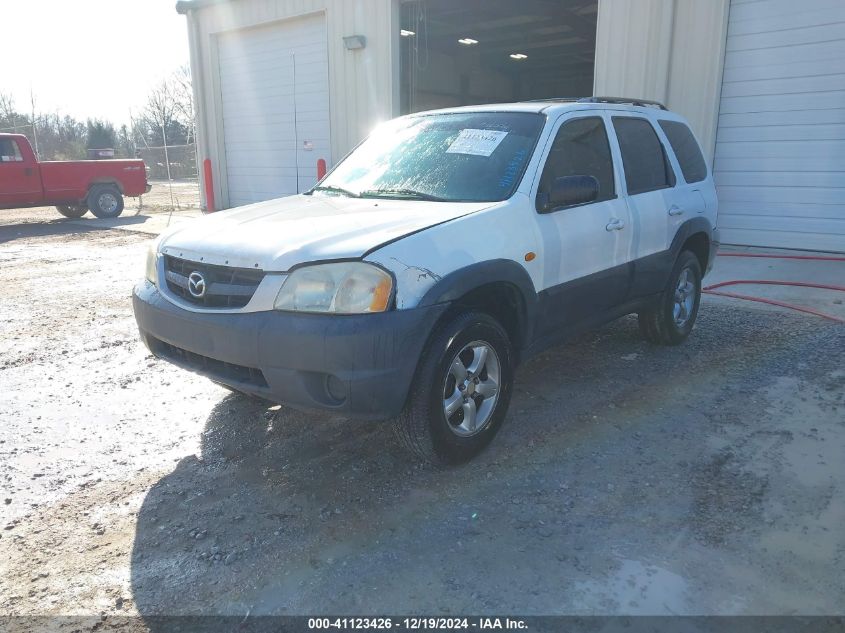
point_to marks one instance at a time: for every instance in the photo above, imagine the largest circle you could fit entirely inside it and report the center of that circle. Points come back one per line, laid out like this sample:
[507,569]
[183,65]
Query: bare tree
[168,115]
[183,94]
[8,115]
[160,112]
[34,121]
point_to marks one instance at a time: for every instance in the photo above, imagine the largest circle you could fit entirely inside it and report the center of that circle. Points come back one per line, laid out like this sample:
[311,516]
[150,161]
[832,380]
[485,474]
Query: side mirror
[568,191]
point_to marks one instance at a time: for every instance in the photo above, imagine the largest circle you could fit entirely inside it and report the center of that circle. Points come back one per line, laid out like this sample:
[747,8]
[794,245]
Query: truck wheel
[461,391]
[670,320]
[72,211]
[105,201]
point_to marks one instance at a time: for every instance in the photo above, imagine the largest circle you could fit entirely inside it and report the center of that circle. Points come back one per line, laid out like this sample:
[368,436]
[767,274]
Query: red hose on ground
[773,302]
[770,282]
[711,290]
[821,258]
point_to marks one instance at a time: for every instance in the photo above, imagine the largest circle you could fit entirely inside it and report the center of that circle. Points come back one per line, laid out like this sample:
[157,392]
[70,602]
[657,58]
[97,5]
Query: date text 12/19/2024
[417,624]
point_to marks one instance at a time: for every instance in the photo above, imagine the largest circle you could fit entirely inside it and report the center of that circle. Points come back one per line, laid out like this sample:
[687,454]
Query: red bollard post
[321,168]
[209,186]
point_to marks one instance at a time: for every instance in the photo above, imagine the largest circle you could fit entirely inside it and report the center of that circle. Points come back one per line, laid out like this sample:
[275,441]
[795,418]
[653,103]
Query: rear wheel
[671,319]
[105,201]
[72,211]
[461,391]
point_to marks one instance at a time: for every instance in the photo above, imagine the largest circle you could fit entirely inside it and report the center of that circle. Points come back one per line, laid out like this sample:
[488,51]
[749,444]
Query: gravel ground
[702,479]
[186,195]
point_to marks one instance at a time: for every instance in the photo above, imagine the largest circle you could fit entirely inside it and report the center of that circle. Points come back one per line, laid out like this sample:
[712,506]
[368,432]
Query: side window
[643,156]
[9,151]
[581,148]
[686,150]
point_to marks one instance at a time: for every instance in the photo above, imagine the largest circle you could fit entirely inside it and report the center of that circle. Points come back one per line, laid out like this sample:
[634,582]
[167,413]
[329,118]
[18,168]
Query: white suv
[443,251]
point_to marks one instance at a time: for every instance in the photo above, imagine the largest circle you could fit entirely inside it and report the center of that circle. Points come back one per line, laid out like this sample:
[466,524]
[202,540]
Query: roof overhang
[183,6]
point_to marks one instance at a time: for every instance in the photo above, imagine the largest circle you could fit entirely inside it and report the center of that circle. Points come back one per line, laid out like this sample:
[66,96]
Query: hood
[279,234]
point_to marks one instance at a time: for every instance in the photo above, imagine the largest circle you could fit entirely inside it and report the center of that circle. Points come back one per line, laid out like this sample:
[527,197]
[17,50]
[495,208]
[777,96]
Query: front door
[19,182]
[586,248]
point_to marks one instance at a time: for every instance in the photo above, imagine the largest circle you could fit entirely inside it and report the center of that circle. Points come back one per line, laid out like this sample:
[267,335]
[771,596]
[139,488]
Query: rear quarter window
[643,156]
[686,150]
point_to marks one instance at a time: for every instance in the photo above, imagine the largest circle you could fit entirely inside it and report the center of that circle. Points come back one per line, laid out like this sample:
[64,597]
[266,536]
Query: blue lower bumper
[360,366]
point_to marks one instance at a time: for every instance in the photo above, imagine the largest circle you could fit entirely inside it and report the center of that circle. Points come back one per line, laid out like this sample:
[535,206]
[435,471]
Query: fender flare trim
[464,280]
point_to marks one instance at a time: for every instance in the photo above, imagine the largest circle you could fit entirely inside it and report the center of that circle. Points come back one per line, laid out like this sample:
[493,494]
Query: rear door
[19,181]
[586,248]
[649,184]
[693,188]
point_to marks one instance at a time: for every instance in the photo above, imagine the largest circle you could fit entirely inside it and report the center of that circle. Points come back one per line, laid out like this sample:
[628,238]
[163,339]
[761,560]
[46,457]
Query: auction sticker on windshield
[477,142]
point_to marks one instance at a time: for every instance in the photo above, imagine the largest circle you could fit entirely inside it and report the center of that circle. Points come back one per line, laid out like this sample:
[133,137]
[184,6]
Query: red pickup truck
[74,187]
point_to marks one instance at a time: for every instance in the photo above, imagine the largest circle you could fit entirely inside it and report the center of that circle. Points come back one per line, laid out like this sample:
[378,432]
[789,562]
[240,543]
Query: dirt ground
[707,478]
[185,195]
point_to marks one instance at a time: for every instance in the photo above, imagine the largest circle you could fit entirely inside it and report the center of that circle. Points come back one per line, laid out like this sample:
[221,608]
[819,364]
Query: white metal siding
[668,50]
[275,96]
[780,150]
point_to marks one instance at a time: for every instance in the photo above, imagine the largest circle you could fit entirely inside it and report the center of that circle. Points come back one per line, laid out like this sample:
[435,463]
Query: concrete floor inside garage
[706,478]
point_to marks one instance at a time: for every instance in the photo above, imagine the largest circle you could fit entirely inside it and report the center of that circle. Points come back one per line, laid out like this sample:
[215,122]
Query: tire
[671,319]
[105,201]
[72,211]
[423,427]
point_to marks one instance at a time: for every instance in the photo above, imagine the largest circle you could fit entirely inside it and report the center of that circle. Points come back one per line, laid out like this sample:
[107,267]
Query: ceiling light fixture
[519,56]
[406,33]
[467,41]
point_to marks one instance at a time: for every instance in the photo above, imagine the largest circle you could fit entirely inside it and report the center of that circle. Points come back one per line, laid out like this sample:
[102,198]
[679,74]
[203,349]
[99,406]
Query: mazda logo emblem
[196,285]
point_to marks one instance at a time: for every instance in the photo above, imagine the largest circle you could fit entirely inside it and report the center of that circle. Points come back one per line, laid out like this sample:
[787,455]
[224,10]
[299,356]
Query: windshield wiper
[400,193]
[333,189]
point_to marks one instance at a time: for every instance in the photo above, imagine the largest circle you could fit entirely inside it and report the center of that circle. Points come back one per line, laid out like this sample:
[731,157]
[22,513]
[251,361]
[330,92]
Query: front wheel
[461,391]
[105,201]
[72,211]
[670,320]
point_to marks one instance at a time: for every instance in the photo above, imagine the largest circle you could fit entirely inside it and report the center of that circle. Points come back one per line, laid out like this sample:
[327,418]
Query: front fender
[457,284]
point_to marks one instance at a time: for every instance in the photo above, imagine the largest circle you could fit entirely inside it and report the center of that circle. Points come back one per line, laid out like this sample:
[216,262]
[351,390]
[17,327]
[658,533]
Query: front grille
[211,367]
[225,286]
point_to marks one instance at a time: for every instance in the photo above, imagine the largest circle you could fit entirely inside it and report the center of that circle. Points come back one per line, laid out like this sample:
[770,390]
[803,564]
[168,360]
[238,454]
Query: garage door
[780,150]
[275,94]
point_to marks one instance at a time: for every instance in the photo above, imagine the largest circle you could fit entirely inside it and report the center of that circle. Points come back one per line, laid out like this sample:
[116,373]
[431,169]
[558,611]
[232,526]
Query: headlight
[343,288]
[152,263]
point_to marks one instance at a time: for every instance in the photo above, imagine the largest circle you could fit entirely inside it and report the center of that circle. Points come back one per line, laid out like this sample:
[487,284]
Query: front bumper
[359,366]
[148,188]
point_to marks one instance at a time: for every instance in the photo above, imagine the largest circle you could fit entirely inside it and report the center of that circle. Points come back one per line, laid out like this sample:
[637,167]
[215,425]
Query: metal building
[280,84]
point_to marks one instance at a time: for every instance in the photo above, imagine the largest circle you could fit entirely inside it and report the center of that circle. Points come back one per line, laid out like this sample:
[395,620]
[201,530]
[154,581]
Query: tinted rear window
[643,157]
[686,150]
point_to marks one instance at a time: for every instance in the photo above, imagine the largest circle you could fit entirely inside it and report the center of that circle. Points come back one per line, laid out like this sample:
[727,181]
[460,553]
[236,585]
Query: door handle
[27,171]
[615,225]
[675,210]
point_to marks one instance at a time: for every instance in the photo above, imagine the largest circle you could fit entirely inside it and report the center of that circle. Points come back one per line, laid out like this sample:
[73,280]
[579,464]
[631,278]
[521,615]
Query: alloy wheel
[471,389]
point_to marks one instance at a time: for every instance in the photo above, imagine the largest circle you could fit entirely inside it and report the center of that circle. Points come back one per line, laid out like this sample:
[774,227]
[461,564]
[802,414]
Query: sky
[89,58]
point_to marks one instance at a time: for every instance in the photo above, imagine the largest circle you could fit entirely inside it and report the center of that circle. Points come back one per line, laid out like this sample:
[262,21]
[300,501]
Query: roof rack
[635,102]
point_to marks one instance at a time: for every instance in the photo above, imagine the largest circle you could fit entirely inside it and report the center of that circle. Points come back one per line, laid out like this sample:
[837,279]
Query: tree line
[166,118]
